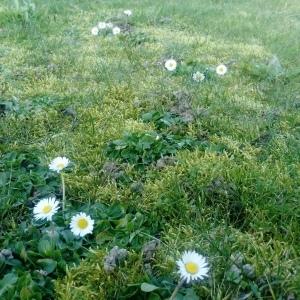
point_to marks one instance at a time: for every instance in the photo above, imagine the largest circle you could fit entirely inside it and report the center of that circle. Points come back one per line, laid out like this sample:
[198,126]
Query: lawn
[161,162]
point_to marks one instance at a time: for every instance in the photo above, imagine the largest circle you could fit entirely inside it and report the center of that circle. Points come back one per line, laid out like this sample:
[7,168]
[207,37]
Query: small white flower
[81,224]
[102,25]
[109,25]
[221,70]
[198,76]
[45,209]
[116,30]
[127,12]
[171,64]
[192,266]
[58,164]
[95,30]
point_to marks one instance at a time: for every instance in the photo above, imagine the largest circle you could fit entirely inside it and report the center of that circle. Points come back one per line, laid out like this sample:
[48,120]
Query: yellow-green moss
[91,282]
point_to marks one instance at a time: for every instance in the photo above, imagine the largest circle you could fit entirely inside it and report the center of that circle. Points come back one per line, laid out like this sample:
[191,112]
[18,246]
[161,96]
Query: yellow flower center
[60,166]
[191,267]
[82,223]
[47,208]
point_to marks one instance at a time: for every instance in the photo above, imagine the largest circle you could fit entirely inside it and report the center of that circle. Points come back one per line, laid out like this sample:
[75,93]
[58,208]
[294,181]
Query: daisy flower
[109,25]
[45,209]
[127,12]
[116,30]
[198,76]
[95,30]
[58,164]
[81,224]
[102,25]
[192,266]
[171,64]
[221,70]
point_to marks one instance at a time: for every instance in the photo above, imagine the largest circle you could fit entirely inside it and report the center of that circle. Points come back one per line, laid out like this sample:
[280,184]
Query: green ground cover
[210,166]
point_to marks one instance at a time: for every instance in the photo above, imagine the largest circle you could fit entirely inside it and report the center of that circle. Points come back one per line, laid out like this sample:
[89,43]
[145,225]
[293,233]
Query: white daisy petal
[45,209]
[116,30]
[198,76]
[95,30]
[102,25]
[109,25]
[192,266]
[127,12]
[81,224]
[58,164]
[171,64]
[221,70]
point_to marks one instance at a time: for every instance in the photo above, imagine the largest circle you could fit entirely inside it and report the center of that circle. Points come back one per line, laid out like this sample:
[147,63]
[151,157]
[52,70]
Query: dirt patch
[182,106]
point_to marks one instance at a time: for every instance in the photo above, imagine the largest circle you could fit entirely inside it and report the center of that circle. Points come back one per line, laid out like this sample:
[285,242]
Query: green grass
[236,191]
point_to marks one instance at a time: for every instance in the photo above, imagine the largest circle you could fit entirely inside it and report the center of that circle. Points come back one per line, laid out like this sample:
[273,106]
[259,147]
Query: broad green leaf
[190,295]
[47,264]
[147,287]
[68,236]
[7,283]
[26,293]
[154,296]
[147,116]
[45,247]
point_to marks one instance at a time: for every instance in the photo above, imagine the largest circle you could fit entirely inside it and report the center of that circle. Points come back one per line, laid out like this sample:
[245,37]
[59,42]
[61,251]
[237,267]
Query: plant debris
[114,258]
[149,250]
[165,161]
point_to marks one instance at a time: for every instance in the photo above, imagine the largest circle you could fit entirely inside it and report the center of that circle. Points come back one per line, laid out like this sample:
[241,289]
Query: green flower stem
[52,231]
[179,285]
[63,191]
